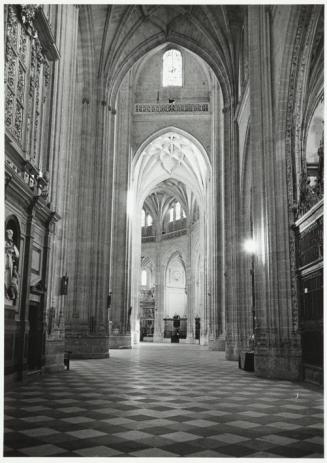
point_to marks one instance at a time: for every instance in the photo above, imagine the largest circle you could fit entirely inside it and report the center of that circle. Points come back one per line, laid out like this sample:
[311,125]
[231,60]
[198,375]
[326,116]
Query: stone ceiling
[122,34]
[171,155]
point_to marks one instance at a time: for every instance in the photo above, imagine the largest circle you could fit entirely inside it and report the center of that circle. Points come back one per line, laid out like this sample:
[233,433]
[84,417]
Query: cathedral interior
[163,230]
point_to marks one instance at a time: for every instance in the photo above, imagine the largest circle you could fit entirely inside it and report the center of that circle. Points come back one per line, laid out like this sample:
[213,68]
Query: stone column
[205,277]
[120,272]
[135,247]
[54,340]
[82,192]
[276,346]
[159,309]
[217,335]
[231,222]
[59,164]
[23,324]
[189,287]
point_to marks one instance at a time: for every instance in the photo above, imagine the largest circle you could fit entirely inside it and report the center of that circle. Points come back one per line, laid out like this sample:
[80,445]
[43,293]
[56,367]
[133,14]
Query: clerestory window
[172,75]
[149,220]
[177,211]
[143,278]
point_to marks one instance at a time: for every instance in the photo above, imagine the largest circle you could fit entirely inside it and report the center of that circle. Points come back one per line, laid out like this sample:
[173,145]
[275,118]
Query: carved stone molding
[45,35]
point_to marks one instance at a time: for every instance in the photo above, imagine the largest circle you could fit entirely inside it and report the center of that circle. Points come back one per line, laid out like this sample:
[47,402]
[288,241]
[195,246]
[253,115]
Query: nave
[162,401]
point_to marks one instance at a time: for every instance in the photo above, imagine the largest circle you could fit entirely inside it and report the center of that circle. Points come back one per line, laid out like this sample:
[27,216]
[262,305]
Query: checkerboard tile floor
[162,401]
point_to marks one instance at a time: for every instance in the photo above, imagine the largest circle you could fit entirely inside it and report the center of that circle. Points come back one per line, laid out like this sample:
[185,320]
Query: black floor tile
[181,448]
[129,446]
[204,377]
[290,452]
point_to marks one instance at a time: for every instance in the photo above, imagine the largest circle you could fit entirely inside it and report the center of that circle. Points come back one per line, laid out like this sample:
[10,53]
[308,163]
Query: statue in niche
[11,266]
[309,194]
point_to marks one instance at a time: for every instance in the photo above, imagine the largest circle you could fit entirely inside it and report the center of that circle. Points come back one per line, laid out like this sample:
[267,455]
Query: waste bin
[246,361]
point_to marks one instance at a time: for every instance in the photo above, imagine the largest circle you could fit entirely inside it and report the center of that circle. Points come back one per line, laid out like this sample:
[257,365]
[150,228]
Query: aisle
[162,401]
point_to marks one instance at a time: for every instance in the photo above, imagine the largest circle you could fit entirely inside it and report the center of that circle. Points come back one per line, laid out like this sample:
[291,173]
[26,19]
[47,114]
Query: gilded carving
[9,108]
[302,27]
[18,125]
[22,47]
[46,72]
[27,14]
[11,71]
[21,84]
[12,30]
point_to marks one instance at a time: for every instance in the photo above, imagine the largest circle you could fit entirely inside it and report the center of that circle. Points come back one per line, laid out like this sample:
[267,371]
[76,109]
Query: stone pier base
[217,344]
[287,366]
[87,347]
[120,341]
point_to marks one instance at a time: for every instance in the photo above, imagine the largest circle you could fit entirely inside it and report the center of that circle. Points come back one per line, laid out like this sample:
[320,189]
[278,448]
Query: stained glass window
[149,221]
[178,211]
[143,278]
[171,214]
[172,68]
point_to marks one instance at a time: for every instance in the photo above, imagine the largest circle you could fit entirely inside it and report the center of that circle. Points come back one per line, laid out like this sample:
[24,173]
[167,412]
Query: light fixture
[250,246]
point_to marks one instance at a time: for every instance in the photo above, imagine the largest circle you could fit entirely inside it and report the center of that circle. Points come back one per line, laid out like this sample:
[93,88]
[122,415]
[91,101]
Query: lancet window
[172,75]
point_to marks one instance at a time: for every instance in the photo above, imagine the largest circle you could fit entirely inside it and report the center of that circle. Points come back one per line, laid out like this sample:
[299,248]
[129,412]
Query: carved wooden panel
[312,318]
[310,244]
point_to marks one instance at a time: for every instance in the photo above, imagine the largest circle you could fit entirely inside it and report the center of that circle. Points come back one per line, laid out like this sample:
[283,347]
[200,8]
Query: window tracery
[171,214]
[172,75]
[177,211]
[143,278]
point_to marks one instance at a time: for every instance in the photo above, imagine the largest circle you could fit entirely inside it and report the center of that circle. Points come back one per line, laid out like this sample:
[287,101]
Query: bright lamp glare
[250,246]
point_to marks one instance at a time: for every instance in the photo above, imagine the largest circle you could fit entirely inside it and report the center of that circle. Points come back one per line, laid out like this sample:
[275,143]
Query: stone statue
[11,266]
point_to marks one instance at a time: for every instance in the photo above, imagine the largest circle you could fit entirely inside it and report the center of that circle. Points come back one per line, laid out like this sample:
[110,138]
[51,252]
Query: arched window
[172,68]
[143,278]
[171,214]
[149,220]
[183,214]
[143,218]
[178,211]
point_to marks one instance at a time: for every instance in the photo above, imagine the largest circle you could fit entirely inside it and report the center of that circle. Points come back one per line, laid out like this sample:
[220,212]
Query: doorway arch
[175,286]
[169,153]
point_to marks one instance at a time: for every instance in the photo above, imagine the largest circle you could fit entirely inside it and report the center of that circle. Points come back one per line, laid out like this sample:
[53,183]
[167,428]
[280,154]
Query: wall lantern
[250,246]
[64,285]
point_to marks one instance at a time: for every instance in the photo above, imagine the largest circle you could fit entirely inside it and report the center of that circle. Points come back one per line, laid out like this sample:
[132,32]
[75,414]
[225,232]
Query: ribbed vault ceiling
[165,194]
[122,34]
[174,156]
